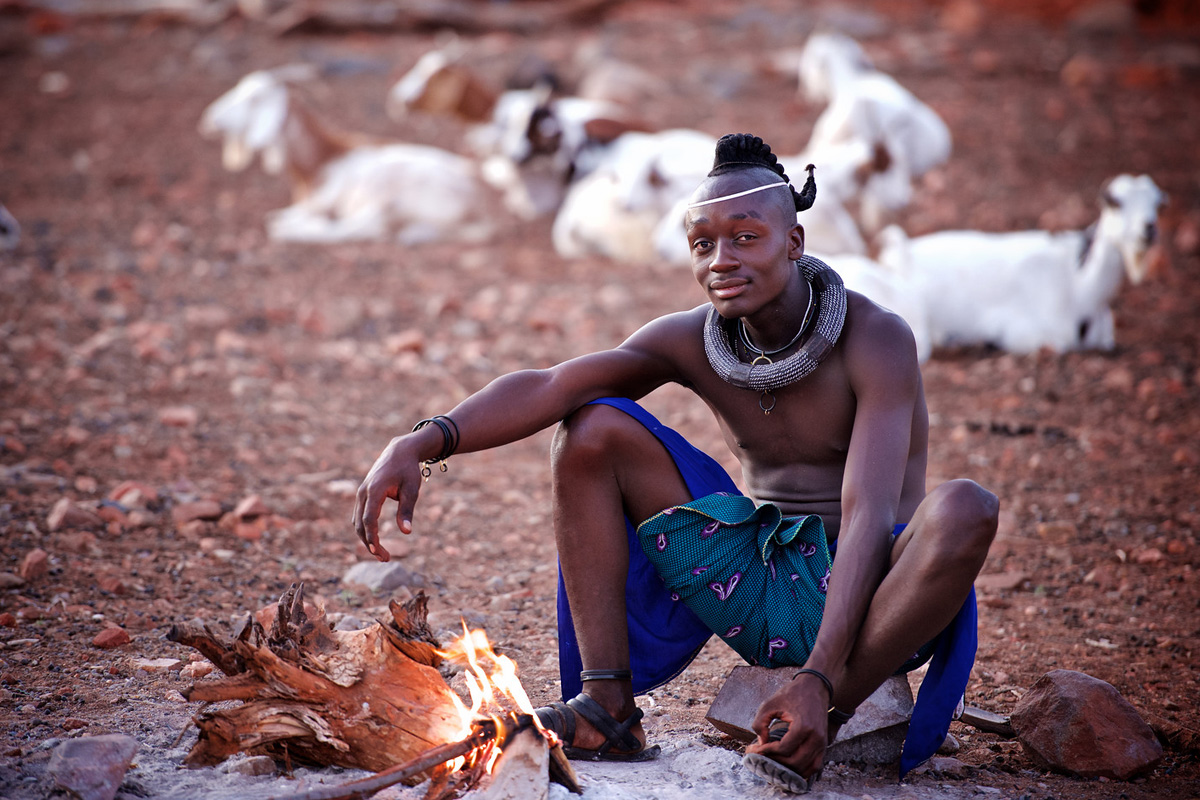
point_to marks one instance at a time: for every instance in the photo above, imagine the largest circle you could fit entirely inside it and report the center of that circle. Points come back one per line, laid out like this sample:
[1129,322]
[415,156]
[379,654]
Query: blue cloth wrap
[664,634]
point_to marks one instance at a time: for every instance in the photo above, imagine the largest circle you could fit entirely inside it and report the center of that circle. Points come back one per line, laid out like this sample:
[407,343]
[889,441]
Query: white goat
[890,290]
[344,186]
[1027,290]
[616,210]
[534,144]
[10,230]
[868,106]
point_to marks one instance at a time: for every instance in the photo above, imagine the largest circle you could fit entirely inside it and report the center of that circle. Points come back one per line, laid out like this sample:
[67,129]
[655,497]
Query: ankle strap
[606,675]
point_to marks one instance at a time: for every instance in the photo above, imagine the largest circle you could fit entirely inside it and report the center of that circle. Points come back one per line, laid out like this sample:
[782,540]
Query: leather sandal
[560,718]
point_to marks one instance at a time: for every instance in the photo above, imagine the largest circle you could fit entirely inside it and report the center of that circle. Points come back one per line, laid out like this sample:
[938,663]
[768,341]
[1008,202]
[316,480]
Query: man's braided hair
[739,151]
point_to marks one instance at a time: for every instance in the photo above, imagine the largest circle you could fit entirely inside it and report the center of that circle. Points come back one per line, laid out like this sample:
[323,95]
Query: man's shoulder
[874,335]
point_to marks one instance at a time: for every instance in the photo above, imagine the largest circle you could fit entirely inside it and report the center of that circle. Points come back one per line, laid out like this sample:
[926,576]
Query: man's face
[743,248]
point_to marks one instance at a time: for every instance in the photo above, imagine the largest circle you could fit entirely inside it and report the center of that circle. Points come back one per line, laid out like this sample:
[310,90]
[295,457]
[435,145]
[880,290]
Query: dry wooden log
[367,699]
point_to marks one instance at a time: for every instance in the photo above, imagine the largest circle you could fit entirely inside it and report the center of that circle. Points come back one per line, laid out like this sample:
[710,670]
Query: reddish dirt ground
[144,283]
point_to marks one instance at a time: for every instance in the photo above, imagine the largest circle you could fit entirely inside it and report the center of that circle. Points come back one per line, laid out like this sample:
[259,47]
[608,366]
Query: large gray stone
[1074,723]
[92,768]
[874,735]
[382,577]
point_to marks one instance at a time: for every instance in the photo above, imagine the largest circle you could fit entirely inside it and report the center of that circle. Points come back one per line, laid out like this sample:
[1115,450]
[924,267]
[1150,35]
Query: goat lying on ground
[535,144]
[1023,291]
[344,186]
[885,287]
[870,107]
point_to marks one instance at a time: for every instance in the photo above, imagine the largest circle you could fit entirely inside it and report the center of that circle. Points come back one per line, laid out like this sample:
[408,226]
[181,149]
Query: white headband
[737,194]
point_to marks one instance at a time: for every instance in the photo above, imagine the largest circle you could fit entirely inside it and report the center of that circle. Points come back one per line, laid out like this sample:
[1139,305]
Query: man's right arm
[512,407]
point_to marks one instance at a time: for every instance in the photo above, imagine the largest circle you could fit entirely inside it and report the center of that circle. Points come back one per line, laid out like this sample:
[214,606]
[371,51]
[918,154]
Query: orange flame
[494,688]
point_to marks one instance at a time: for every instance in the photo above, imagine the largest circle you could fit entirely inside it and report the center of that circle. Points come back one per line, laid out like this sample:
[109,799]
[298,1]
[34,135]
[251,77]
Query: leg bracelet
[606,675]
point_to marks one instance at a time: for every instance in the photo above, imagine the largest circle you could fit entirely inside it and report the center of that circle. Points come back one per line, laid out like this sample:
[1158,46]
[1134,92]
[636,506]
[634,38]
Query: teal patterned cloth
[753,576]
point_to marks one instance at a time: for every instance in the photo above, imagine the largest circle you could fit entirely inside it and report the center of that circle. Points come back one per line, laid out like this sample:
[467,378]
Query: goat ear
[1109,199]
[604,130]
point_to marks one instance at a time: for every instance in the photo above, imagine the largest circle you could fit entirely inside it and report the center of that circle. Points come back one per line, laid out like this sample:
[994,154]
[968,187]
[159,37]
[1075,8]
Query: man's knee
[964,515]
[592,432]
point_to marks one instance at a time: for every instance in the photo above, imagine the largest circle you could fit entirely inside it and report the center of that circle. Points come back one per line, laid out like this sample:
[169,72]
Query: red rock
[111,584]
[29,613]
[251,506]
[111,514]
[1074,723]
[409,341]
[35,565]
[109,638]
[1058,532]
[132,494]
[1000,581]
[73,724]
[194,510]
[8,620]
[66,514]
[251,531]
[179,416]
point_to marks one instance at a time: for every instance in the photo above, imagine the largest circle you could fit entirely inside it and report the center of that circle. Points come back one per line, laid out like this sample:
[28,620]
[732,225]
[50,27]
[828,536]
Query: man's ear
[796,242]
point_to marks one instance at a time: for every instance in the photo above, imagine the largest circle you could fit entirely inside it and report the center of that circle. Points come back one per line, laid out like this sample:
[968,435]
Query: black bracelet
[828,683]
[605,675]
[449,442]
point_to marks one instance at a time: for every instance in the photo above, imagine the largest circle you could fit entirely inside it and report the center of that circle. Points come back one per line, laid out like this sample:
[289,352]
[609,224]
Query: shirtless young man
[845,440]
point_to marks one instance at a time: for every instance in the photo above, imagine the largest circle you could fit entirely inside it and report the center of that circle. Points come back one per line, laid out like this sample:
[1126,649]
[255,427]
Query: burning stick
[486,735]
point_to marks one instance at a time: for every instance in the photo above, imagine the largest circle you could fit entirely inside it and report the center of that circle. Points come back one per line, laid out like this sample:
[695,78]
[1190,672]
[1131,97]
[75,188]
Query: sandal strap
[615,733]
[559,719]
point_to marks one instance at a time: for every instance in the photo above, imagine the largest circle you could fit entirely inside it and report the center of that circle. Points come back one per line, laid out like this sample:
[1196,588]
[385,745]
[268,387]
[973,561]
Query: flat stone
[250,507]
[93,767]
[10,581]
[382,577]
[1000,581]
[733,709]
[35,565]
[65,515]
[196,510]
[874,735]
[109,638]
[157,664]
[1074,723]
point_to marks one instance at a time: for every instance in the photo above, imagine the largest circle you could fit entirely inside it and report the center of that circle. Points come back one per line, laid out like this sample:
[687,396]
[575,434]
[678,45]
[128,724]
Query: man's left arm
[885,377]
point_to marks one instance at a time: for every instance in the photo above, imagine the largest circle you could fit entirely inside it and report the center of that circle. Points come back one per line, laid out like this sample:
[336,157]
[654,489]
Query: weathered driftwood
[367,699]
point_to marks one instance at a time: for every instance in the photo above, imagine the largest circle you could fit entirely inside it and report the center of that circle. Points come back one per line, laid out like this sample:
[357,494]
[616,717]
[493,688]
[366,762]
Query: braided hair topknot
[739,151]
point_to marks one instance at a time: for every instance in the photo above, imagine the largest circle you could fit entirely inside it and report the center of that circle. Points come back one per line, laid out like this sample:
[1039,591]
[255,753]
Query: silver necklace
[765,375]
[745,337]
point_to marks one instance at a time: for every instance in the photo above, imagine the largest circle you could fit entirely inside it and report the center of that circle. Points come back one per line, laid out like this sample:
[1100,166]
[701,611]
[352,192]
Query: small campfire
[371,699]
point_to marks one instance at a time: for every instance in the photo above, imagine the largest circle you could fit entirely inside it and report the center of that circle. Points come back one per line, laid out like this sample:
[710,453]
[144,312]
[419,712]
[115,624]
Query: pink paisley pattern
[775,644]
[734,631]
[724,591]
[661,542]
[710,529]
[823,584]
[771,566]
[699,570]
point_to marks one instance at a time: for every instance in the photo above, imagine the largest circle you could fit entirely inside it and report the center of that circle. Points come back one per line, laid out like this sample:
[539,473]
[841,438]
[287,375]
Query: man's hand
[396,474]
[804,705]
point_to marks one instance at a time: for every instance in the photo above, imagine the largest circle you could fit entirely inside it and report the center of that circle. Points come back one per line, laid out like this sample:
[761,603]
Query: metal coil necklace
[749,345]
[762,374]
